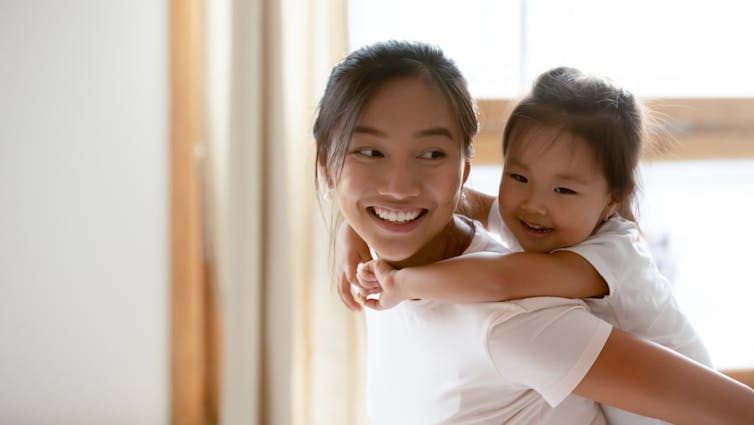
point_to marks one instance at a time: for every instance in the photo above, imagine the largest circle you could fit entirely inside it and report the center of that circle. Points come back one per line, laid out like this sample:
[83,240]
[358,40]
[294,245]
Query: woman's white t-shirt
[485,363]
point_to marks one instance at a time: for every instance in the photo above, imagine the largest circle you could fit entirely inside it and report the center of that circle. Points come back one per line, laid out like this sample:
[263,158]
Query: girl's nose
[534,203]
[399,182]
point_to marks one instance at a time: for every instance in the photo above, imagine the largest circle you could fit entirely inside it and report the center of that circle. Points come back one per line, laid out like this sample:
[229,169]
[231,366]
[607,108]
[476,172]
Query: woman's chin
[395,253]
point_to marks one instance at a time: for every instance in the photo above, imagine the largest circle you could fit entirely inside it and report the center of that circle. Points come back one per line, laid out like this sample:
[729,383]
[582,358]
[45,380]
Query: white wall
[83,212]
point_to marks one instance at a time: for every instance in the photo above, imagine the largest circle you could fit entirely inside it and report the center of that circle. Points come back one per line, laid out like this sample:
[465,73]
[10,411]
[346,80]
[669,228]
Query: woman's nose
[399,181]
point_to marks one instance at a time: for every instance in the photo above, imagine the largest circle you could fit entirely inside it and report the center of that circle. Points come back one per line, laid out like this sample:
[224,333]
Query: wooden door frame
[194,321]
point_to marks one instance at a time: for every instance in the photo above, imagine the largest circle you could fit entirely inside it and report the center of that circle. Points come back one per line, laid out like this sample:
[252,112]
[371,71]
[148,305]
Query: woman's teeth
[396,216]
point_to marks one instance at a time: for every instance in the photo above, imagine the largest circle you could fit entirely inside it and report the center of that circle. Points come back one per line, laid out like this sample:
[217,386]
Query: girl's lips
[535,230]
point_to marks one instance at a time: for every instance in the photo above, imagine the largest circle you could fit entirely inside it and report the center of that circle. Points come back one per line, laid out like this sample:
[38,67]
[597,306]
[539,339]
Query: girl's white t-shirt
[641,299]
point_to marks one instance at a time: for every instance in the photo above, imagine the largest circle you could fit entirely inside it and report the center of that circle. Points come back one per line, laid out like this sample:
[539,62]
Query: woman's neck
[452,241]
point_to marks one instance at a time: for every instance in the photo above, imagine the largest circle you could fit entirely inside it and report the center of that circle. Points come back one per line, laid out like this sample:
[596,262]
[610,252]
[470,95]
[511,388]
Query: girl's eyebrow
[572,178]
[516,163]
[567,177]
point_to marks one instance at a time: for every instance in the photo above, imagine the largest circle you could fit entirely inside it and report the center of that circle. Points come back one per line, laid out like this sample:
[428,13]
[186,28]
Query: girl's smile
[553,193]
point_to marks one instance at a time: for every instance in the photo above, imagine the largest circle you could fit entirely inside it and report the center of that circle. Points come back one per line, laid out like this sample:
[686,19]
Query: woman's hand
[350,251]
[380,277]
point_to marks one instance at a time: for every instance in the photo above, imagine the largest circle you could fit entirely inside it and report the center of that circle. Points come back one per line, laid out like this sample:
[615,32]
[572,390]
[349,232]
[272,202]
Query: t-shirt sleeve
[607,252]
[549,344]
[494,221]
[496,226]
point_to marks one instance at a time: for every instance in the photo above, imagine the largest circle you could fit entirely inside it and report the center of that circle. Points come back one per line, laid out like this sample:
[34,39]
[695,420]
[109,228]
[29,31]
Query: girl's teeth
[536,226]
[397,216]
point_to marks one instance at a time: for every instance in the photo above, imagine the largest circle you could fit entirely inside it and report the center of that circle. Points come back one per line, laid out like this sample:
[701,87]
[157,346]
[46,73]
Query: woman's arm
[640,376]
[476,205]
[486,277]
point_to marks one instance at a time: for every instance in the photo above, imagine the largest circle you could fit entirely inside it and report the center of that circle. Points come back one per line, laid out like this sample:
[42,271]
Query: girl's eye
[368,152]
[434,154]
[564,191]
[518,178]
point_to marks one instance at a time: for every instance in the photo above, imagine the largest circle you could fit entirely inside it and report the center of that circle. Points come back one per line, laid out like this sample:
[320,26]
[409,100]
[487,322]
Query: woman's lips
[397,215]
[398,220]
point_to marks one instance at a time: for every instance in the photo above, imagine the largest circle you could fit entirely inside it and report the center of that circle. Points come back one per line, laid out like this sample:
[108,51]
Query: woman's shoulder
[482,240]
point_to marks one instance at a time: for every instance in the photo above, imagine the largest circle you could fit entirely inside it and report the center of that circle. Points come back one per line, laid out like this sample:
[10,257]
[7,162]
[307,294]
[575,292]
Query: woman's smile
[402,176]
[397,216]
[397,221]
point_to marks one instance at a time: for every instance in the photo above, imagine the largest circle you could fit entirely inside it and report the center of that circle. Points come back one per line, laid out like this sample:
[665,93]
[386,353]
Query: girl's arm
[486,277]
[639,376]
[475,205]
[350,250]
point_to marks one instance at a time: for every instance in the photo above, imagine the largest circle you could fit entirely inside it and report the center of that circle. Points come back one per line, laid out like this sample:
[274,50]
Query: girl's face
[553,193]
[403,172]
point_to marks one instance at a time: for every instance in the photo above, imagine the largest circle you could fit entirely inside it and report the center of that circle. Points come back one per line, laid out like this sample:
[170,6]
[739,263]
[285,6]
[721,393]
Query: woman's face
[403,171]
[552,194]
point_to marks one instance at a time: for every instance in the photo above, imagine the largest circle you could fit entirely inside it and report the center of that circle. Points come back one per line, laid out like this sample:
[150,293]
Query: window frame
[680,129]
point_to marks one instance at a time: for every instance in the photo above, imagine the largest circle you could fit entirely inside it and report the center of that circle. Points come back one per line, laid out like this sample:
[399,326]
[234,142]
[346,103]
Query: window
[687,61]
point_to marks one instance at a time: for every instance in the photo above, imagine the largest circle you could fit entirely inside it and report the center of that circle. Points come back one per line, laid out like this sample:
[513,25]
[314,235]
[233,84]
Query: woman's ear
[466,170]
[322,172]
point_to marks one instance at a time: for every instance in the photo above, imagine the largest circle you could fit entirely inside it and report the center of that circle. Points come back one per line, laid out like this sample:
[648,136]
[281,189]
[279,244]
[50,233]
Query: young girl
[393,136]
[571,150]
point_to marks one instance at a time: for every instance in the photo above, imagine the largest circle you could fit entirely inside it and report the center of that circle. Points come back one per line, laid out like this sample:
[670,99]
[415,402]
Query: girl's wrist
[401,286]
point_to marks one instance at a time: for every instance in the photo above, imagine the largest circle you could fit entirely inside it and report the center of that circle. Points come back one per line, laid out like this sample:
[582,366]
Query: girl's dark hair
[357,78]
[608,117]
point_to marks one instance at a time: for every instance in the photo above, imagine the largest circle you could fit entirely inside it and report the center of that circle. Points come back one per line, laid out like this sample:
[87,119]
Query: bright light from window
[671,48]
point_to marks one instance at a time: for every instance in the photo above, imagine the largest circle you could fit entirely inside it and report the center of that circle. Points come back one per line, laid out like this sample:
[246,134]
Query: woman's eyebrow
[435,131]
[369,130]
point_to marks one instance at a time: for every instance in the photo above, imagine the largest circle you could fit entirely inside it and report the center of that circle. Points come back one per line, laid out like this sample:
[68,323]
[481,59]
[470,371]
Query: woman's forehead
[409,105]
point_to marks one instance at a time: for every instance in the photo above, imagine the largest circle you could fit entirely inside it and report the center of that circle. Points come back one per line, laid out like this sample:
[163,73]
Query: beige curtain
[292,353]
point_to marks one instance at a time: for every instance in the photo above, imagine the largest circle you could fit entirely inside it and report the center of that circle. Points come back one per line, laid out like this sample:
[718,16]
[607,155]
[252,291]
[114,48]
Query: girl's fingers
[367,278]
[346,295]
[373,304]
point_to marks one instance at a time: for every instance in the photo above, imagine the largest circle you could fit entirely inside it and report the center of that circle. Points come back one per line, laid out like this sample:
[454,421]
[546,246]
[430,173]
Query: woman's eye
[518,178]
[564,191]
[434,154]
[368,152]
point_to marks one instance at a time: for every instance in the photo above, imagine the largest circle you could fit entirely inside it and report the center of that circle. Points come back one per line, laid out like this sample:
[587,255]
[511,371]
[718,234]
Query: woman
[393,135]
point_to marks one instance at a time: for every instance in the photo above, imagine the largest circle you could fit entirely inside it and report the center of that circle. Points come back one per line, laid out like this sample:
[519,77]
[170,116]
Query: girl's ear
[610,209]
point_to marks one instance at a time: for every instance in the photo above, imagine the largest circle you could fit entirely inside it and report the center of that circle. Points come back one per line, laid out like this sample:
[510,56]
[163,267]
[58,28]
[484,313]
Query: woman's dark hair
[357,78]
[608,117]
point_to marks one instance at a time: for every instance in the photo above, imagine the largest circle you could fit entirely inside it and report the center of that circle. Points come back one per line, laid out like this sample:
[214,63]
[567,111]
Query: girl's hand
[379,276]
[350,250]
